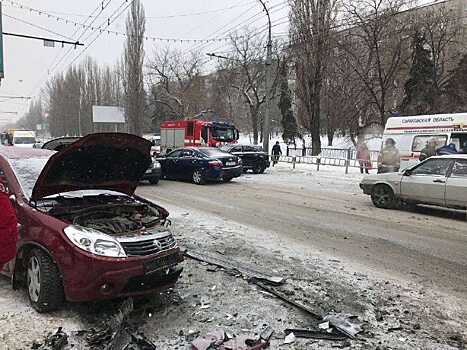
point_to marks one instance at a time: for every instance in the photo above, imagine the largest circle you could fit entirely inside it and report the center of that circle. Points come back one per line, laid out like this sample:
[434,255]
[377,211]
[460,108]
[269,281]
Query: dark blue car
[200,165]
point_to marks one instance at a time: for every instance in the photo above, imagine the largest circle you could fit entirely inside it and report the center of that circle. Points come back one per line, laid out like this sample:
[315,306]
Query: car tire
[154,181]
[44,283]
[198,177]
[383,197]
[258,167]
[227,179]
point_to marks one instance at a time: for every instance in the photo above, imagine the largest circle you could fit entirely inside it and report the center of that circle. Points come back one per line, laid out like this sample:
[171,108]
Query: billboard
[107,114]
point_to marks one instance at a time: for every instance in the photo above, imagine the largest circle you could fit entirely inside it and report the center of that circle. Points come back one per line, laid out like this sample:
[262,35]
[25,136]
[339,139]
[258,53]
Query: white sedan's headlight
[156,164]
[94,242]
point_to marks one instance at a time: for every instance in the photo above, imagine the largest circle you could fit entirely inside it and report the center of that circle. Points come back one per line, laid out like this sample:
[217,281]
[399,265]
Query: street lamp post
[267,116]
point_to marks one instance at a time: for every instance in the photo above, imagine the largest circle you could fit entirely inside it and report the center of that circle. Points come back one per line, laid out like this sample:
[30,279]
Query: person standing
[364,158]
[8,227]
[464,148]
[389,159]
[429,150]
[276,152]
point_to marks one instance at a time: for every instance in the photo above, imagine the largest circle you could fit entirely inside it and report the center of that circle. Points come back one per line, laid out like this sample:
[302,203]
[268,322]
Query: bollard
[318,162]
[294,159]
[347,163]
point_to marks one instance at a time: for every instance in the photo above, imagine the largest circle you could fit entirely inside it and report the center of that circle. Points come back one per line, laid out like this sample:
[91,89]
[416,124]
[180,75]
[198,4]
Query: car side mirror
[407,172]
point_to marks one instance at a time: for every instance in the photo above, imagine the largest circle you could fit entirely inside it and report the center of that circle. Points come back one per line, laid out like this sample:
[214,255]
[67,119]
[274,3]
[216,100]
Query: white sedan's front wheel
[382,196]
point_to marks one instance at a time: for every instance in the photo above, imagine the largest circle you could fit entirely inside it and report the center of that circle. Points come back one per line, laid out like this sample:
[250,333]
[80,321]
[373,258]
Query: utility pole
[267,116]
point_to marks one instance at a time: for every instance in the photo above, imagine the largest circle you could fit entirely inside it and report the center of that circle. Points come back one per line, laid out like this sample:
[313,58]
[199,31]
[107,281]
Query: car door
[426,183]
[186,164]
[169,164]
[456,185]
[238,151]
[249,155]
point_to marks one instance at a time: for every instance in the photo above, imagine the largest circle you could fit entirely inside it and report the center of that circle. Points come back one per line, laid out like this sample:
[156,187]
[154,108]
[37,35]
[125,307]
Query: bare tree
[133,68]
[178,87]
[310,27]
[375,49]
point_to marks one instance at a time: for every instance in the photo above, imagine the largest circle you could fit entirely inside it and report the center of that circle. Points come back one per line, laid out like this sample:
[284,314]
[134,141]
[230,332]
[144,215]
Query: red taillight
[215,163]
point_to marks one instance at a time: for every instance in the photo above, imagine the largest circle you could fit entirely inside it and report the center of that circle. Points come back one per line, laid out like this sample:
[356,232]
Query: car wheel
[227,179]
[154,180]
[198,177]
[382,196]
[258,167]
[45,286]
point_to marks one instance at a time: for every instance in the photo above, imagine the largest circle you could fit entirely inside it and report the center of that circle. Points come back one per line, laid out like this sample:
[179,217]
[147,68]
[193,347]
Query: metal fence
[342,157]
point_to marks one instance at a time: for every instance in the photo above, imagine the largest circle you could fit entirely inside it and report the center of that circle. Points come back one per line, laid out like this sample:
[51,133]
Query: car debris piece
[245,343]
[207,340]
[53,341]
[266,334]
[115,332]
[246,272]
[290,338]
[274,291]
[348,324]
[305,333]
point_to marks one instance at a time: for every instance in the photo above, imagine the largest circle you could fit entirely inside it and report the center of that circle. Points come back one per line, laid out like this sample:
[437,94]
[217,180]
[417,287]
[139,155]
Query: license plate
[230,163]
[159,264]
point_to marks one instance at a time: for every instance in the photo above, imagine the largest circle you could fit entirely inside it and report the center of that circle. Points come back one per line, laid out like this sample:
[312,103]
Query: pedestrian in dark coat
[276,152]
[8,229]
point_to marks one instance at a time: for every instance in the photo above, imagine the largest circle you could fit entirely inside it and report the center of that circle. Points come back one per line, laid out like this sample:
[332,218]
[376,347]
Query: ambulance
[412,132]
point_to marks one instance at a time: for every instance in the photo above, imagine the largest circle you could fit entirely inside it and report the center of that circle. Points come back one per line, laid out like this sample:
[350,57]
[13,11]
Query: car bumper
[152,173]
[101,278]
[367,188]
[219,173]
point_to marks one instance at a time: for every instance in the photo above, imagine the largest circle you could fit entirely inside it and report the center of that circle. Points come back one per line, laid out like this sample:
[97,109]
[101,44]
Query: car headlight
[156,165]
[94,242]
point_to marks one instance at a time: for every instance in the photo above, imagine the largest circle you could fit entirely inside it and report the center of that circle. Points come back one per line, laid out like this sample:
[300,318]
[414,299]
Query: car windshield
[222,134]
[213,152]
[27,172]
[24,140]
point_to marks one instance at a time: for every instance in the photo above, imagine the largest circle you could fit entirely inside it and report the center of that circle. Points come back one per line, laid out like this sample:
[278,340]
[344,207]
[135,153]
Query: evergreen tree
[421,95]
[455,93]
[289,123]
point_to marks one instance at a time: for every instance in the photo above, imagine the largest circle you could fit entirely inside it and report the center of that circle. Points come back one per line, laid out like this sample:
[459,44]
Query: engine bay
[113,216]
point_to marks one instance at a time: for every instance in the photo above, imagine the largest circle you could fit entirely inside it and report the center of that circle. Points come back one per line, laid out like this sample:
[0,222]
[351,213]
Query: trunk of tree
[330,138]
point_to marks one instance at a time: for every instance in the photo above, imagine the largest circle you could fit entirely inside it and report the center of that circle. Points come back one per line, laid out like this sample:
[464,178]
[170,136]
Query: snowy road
[327,214]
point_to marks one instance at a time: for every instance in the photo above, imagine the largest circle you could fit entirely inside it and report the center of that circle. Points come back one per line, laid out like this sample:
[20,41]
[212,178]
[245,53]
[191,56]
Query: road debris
[305,333]
[348,324]
[285,298]
[290,338]
[220,340]
[245,272]
[53,341]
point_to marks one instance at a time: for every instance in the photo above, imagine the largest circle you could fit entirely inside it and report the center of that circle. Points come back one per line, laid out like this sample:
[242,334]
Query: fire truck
[196,133]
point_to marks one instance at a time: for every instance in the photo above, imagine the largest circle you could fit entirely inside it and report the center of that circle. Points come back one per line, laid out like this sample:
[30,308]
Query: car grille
[148,245]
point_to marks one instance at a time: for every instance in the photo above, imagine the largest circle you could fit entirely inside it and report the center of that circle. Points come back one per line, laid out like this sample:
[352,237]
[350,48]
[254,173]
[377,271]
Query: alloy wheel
[34,279]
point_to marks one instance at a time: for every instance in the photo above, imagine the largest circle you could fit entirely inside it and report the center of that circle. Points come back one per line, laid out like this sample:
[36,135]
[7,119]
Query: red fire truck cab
[196,133]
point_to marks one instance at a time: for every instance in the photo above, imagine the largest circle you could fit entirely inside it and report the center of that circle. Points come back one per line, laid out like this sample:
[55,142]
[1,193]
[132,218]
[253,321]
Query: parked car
[440,180]
[200,165]
[253,157]
[83,233]
[154,172]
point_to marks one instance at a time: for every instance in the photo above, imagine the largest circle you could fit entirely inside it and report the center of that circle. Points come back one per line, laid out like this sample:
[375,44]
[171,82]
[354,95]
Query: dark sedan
[200,165]
[253,157]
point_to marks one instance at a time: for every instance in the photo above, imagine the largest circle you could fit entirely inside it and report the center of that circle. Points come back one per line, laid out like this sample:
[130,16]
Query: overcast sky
[28,62]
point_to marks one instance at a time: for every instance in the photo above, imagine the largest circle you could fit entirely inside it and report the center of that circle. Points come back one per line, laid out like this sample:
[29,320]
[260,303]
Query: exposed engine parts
[114,221]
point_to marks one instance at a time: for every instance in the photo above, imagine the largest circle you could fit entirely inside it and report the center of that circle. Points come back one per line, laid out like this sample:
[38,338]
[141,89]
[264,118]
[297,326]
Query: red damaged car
[83,233]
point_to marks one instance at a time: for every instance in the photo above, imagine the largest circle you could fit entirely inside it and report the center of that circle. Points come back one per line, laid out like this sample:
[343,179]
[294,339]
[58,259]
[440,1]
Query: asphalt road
[426,247]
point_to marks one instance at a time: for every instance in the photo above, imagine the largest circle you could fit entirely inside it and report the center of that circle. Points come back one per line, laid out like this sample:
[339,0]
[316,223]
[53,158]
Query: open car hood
[103,161]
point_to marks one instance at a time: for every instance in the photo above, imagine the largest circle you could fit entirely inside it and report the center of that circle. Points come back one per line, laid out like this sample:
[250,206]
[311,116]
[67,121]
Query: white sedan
[440,181]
